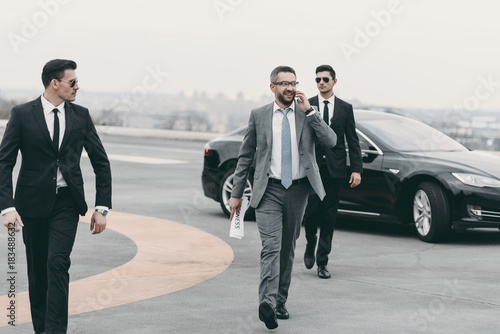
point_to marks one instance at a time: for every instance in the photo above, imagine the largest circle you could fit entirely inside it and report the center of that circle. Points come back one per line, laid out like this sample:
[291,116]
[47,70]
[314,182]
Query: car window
[404,134]
[365,145]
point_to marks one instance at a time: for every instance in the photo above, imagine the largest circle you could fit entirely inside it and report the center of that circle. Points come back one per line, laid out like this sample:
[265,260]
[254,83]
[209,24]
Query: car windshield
[404,134]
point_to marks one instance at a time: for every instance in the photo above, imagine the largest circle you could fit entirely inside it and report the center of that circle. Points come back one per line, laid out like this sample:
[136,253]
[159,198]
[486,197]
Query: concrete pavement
[384,279]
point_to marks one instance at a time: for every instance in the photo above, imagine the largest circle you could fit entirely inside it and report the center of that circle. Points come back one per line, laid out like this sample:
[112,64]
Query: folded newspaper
[237,229]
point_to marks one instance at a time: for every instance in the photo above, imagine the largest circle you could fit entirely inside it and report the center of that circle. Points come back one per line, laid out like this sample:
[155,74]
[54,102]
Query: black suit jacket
[35,193]
[344,126]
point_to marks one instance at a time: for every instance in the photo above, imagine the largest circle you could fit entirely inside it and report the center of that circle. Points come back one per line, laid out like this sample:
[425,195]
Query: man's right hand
[10,219]
[234,205]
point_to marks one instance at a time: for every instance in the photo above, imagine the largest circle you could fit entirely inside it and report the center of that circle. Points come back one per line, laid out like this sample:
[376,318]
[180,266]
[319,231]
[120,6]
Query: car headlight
[477,180]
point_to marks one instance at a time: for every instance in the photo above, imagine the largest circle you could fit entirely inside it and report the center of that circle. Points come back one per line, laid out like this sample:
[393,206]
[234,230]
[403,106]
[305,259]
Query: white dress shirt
[331,106]
[298,170]
[49,119]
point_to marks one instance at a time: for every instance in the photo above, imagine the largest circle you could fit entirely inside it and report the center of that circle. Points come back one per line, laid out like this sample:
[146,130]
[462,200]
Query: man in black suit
[50,132]
[332,162]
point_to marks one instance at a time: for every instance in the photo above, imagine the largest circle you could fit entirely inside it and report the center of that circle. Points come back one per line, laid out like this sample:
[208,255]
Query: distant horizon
[355,101]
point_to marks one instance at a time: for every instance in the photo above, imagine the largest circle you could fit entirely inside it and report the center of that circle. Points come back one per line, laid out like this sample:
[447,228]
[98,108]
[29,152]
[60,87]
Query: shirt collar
[331,99]
[276,107]
[48,107]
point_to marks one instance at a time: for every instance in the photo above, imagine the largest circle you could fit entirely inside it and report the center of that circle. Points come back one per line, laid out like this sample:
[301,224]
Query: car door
[374,197]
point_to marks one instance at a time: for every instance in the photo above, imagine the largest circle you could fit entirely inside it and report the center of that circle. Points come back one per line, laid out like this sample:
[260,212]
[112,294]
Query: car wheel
[225,192]
[431,214]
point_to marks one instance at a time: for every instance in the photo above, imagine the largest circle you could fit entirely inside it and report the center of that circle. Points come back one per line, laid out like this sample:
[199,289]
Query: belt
[61,190]
[294,182]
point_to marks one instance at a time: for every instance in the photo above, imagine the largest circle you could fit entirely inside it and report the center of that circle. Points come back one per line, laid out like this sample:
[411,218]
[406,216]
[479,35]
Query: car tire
[226,187]
[431,213]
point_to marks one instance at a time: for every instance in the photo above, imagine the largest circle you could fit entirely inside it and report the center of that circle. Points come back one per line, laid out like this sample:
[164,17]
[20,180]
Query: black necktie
[55,137]
[326,114]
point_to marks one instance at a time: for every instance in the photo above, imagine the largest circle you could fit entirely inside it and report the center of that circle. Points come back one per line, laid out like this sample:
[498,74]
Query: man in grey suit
[280,140]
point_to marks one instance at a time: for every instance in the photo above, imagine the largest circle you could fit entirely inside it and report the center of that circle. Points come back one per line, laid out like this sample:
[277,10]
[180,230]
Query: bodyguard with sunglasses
[339,115]
[50,132]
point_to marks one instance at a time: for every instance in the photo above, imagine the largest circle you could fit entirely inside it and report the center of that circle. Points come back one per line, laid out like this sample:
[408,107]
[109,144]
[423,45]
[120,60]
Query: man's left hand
[355,179]
[302,101]
[97,223]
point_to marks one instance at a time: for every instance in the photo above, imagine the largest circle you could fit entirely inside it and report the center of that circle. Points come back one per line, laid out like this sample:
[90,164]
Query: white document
[237,229]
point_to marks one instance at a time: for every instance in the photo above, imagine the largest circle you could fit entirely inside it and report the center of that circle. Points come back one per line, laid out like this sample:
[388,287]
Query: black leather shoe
[323,272]
[282,312]
[267,315]
[309,255]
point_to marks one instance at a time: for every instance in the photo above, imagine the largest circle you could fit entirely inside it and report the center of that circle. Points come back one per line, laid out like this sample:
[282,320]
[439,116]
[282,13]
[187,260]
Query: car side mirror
[369,156]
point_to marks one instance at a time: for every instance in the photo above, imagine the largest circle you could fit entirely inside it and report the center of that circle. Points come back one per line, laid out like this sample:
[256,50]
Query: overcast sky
[406,53]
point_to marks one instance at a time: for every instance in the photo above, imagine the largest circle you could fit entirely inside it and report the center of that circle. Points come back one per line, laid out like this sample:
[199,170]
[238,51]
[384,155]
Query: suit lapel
[300,118]
[315,101]
[337,109]
[40,119]
[68,114]
[268,121]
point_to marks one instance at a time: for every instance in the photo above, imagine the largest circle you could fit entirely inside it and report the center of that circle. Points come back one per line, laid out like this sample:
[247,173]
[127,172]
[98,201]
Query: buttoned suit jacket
[344,125]
[35,193]
[257,147]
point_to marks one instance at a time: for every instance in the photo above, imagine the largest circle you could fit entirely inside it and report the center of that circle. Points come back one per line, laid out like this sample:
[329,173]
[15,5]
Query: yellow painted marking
[170,257]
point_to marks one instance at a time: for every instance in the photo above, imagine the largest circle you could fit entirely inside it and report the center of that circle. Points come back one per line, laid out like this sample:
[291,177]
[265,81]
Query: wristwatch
[310,110]
[103,212]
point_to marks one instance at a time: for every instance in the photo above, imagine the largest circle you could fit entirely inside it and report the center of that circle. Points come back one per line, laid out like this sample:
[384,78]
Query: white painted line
[145,160]
[141,160]
[154,148]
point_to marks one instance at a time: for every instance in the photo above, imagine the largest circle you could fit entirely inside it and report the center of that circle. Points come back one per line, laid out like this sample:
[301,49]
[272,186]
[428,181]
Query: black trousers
[49,242]
[323,214]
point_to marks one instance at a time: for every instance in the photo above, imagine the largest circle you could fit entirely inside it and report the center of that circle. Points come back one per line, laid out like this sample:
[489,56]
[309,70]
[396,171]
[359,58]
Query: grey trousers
[279,216]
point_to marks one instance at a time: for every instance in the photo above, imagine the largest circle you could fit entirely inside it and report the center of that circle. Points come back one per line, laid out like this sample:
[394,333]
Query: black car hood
[464,161]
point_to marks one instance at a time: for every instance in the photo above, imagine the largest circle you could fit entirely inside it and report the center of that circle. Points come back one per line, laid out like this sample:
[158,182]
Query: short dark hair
[281,68]
[326,68]
[54,69]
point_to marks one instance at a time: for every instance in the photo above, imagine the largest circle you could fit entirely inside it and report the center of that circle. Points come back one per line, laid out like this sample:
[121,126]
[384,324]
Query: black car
[412,174]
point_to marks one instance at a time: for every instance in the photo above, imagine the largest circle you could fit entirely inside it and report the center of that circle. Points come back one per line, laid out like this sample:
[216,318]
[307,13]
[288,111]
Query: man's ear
[272,87]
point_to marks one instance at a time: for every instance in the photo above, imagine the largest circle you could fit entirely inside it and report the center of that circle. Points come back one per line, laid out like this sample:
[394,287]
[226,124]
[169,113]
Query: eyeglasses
[325,79]
[72,83]
[286,83]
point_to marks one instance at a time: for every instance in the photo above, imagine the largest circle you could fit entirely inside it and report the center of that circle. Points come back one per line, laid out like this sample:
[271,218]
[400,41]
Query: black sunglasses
[325,79]
[72,83]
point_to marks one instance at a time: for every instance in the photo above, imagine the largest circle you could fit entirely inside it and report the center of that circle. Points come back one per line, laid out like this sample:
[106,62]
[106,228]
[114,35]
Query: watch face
[102,211]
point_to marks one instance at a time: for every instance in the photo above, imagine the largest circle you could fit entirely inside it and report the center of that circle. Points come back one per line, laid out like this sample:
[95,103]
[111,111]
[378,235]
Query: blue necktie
[286,151]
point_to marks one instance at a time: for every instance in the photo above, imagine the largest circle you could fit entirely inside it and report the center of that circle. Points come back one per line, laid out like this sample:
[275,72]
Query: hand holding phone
[302,101]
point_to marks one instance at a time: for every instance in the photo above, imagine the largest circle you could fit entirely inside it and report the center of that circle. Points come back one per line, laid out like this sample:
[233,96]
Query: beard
[284,100]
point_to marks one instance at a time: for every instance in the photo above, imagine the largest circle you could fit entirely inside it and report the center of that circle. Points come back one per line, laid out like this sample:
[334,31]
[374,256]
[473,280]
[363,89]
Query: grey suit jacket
[257,145]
